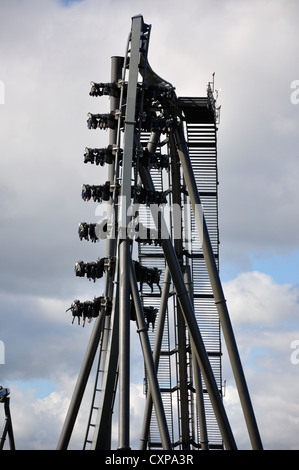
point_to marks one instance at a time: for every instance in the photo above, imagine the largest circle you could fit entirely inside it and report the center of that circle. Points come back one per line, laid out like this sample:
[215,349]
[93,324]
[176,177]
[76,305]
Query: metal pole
[81,384]
[197,377]
[204,441]
[116,74]
[124,349]
[124,286]
[177,232]
[7,427]
[156,357]
[217,290]
[149,361]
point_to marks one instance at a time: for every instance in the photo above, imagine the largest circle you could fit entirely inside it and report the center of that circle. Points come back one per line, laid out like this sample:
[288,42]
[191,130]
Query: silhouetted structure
[7,429]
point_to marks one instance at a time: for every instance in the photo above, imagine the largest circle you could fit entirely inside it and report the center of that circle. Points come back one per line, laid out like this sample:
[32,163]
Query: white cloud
[265,320]
[255,298]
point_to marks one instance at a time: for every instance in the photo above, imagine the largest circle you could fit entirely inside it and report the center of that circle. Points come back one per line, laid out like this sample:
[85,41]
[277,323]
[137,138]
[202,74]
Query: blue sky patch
[68,3]
[42,387]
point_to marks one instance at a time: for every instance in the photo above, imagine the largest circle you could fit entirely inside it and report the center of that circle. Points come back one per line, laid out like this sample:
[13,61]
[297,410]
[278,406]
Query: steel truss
[155,213]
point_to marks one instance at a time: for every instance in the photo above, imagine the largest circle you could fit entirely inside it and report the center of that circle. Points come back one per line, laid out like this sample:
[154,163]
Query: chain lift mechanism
[162,169]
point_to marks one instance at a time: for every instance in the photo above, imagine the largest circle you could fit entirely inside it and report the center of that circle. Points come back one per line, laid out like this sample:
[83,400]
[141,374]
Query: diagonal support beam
[149,361]
[217,290]
[82,380]
[156,357]
[189,316]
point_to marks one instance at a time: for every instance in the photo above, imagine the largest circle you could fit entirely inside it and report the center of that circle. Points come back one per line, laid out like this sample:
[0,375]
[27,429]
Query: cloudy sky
[50,50]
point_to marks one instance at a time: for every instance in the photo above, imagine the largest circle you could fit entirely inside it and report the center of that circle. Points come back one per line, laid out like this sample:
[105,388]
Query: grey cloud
[49,55]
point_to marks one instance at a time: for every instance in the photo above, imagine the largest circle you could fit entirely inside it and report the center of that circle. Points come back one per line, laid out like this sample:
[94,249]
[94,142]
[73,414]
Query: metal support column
[124,286]
[204,440]
[102,431]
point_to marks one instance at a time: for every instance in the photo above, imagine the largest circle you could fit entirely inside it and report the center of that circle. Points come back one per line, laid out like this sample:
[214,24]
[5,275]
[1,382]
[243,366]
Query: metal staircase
[176,376]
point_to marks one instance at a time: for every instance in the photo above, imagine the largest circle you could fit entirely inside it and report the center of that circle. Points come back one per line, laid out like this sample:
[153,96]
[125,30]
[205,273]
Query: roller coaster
[161,269]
